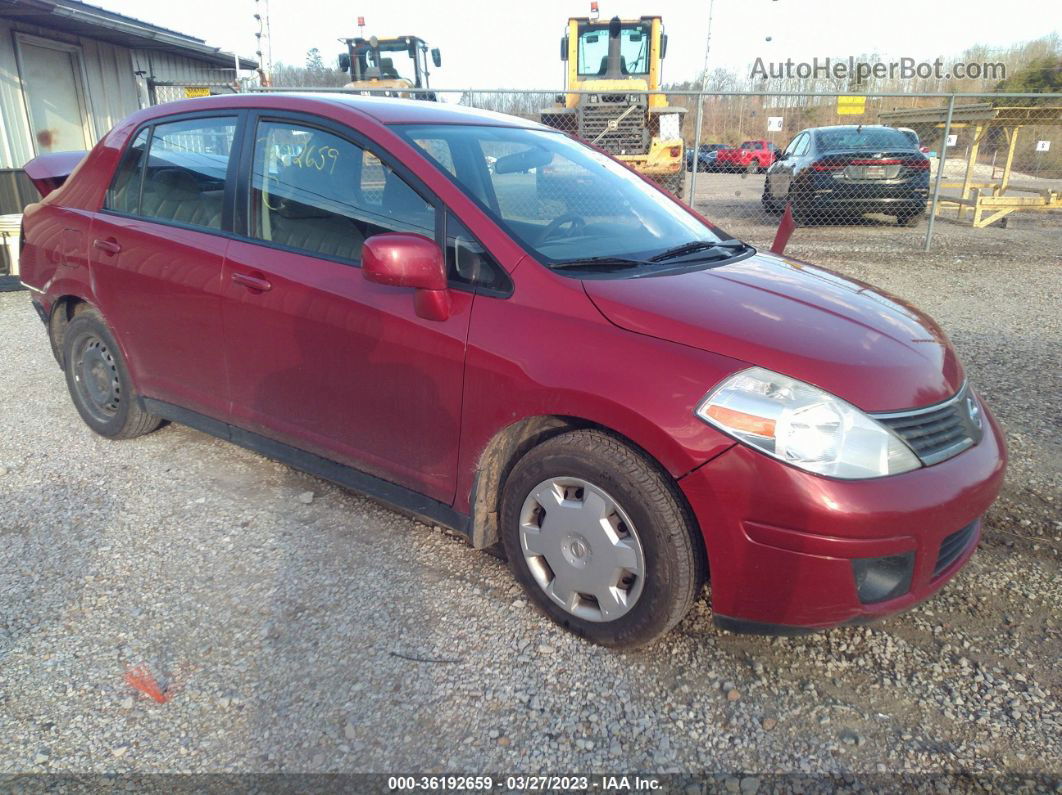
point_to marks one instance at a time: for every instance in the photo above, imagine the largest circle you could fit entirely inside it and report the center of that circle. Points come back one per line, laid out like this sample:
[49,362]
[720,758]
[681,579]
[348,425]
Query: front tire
[600,539]
[99,382]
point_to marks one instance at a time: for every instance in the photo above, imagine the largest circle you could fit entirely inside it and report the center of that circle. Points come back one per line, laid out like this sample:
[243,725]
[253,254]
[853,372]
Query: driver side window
[323,194]
[799,145]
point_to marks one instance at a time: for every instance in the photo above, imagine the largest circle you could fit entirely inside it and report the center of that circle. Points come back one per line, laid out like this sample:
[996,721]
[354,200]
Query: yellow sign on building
[851,106]
[191,92]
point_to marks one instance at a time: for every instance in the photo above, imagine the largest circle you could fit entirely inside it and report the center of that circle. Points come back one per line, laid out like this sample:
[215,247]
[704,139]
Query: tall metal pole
[696,161]
[700,108]
[943,159]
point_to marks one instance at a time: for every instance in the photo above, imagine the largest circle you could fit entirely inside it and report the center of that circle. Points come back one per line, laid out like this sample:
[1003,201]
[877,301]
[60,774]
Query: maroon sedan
[492,326]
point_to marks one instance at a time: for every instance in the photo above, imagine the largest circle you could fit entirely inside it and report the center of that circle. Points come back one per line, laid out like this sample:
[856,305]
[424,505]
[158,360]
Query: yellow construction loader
[612,59]
[371,64]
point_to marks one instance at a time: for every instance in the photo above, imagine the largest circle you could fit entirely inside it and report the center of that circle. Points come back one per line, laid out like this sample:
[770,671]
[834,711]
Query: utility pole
[264,50]
[700,108]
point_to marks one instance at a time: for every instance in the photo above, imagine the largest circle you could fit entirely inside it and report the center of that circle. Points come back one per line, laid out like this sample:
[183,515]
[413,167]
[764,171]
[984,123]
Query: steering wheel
[554,227]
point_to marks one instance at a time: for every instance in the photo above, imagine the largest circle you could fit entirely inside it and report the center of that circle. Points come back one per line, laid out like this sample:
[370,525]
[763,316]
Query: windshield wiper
[599,262]
[730,246]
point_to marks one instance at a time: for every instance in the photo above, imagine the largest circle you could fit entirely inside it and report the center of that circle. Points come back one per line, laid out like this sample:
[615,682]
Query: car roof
[852,127]
[386,110]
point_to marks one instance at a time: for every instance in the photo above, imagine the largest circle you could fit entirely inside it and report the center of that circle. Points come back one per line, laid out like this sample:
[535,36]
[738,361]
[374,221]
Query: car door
[781,173]
[157,253]
[319,357]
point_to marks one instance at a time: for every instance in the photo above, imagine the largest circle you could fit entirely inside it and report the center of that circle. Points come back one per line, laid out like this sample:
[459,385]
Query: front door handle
[259,283]
[108,246]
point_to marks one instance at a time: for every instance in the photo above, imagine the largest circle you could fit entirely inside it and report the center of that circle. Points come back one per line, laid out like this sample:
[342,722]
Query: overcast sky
[515,44]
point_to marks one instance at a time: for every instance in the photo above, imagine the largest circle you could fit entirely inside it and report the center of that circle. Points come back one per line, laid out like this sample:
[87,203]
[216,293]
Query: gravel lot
[733,202]
[272,607]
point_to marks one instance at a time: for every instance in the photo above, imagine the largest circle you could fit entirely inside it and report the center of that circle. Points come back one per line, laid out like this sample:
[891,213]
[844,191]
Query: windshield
[593,50]
[867,138]
[561,199]
[388,61]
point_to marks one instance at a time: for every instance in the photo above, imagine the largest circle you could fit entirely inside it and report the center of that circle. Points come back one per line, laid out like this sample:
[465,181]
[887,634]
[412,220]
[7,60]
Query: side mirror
[564,48]
[663,46]
[436,57]
[344,61]
[399,259]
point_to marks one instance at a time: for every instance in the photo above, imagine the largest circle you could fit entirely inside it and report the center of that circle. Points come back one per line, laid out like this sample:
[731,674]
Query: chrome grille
[626,135]
[937,433]
[953,546]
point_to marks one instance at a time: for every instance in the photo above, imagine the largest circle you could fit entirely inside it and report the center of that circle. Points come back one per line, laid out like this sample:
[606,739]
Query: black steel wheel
[99,381]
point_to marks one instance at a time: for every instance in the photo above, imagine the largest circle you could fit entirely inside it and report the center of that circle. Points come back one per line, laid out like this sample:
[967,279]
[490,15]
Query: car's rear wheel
[909,219]
[600,539]
[801,212]
[98,380]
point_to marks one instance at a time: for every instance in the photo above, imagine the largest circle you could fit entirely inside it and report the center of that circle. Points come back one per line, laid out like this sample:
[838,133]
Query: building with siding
[70,71]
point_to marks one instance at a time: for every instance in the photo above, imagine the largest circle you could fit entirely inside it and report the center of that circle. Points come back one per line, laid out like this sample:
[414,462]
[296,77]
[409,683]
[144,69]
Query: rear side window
[123,195]
[323,194]
[186,166]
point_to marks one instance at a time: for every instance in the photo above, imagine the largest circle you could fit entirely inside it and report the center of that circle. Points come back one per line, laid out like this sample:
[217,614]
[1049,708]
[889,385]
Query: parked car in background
[914,138]
[352,285]
[750,156]
[705,157]
[845,171]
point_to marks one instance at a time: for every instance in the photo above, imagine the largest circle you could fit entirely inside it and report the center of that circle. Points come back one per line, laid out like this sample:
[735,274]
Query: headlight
[804,426]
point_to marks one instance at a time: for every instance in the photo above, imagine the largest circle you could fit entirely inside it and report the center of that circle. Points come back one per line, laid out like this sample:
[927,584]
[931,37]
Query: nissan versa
[490,325]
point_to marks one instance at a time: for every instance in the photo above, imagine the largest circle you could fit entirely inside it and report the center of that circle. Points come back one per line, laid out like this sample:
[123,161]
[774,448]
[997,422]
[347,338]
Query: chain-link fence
[171,92]
[856,170]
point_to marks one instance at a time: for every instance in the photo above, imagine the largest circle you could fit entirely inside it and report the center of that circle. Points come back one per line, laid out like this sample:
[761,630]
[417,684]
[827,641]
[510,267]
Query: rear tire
[99,382]
[909,219]
[801,214]
[592,480]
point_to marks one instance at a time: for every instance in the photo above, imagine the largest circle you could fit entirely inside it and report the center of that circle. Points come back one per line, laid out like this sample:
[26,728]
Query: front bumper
[781,541]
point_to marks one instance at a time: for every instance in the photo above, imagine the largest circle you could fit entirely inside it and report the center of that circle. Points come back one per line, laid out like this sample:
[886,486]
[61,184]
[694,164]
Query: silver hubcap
[582,549]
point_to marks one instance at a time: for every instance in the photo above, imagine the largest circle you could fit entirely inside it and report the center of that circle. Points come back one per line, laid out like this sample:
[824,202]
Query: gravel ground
[274,608]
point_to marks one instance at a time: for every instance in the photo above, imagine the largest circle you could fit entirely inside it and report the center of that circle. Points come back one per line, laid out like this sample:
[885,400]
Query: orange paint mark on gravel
[140,678]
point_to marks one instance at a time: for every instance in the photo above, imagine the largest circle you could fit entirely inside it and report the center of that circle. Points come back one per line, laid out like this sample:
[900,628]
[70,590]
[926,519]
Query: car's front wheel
[600,539]
[99,382]
[767,200]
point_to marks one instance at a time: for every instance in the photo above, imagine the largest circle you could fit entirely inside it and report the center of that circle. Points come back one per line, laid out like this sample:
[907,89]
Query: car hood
[859,343]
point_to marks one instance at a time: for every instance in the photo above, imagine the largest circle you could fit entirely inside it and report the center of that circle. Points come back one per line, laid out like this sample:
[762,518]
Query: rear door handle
[108,246]
[259,283]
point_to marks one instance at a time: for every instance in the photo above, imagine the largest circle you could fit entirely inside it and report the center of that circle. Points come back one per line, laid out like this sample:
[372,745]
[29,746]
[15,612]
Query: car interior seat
[174,194]
[307,213]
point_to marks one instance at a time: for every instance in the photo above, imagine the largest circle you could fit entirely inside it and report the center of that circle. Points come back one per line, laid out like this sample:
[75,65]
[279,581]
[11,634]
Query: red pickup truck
[756,155]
